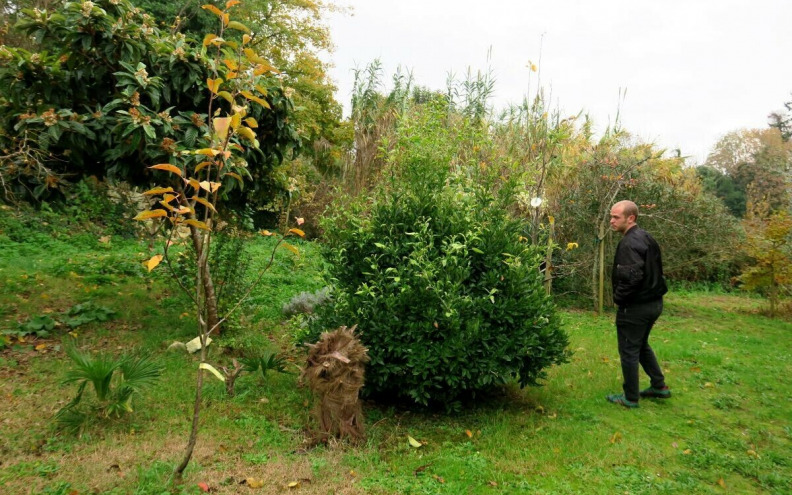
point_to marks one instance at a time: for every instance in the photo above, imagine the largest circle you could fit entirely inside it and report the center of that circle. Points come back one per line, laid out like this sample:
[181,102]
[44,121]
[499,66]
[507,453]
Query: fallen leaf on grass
[617,437]
[687,451]
[41,347]
[413,442]
[421,469]
[493,483]
[722,483]
[204,487]
[695,369]
[253,482]
[438,478]
[469,433]
[294,484]
[752,453]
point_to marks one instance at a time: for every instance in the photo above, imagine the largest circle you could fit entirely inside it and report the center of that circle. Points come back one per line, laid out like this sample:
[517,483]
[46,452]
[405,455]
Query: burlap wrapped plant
[335,373]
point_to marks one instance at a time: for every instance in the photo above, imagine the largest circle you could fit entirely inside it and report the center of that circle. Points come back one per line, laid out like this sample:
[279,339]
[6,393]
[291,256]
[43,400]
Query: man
[638,288]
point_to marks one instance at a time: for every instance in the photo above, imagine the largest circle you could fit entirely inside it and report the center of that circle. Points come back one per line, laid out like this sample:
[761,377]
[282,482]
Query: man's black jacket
[637,269]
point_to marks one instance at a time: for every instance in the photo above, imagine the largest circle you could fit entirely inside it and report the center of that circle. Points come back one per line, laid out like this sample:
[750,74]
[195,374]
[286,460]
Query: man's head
[623,215]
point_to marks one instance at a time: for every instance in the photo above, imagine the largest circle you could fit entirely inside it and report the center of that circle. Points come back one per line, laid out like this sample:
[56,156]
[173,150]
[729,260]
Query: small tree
[768,237]
[191,200]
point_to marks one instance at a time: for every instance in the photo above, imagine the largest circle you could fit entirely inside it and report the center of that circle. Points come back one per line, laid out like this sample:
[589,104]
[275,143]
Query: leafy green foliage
[40,326]
[109,91]
[87,312]
[446,296]
[270,361]
[115,382]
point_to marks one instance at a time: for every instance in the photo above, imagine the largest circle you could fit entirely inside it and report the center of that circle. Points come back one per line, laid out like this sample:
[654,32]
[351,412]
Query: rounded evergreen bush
[447,295]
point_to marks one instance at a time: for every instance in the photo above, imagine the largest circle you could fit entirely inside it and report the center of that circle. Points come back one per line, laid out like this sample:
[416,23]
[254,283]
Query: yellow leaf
[167,198]
[197,224]
[239,27]
[291,248]
[226,95]
[236,176]
[617,437]
[145,215]
[214,84]
[261,89]
[300,220]
[213,9]
[210,186]
[294,484]
[221,127]
[183,210]
[266,233]
[204,202]
[208,367]
[105,239]
[168,168]
[232,3]
[41,347]
[231,63]
[722,483]
[158,190]
[298,232]
[687,451]
[571,246]
[469,433]
[231,75]
[202,165]
[246,133]
[225,18]
[194,184]
[207,152]
[251,122]
[252,56]
[246,39]
[413,442]
[153,262]
[208,39]
[254,482]
[263,67]
[236,121]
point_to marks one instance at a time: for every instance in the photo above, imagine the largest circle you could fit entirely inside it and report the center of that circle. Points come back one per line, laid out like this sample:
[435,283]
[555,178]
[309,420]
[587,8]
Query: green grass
[727,428]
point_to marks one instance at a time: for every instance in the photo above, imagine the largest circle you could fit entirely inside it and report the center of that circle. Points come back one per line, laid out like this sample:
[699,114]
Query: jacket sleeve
[629,271]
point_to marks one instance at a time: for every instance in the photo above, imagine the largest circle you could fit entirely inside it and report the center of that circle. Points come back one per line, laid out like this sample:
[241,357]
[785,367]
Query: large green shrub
[446,293]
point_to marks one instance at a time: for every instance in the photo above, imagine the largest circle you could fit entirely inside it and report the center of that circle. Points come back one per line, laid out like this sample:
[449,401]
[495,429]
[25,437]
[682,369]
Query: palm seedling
[114,380]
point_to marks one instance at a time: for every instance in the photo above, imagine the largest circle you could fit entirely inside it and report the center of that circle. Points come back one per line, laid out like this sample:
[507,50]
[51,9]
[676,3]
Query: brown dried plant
[335,372]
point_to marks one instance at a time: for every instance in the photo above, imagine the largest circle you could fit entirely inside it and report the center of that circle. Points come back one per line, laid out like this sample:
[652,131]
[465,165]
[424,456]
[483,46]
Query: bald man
[638,288]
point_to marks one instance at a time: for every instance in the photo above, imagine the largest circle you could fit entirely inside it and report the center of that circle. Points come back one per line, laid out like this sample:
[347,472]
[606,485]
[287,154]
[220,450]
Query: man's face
[618,221]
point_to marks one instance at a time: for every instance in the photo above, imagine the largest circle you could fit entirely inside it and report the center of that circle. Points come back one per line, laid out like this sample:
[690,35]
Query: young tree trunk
[206,281]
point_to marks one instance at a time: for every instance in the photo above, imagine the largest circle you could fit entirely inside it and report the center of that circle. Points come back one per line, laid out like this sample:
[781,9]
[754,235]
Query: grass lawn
[727,429]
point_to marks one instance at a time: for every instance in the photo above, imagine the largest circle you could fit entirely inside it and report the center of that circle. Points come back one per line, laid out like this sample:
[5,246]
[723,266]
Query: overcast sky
[693,70]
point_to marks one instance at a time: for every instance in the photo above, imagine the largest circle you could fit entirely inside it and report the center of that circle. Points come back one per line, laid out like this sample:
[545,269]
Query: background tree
[109,90]
[769,245]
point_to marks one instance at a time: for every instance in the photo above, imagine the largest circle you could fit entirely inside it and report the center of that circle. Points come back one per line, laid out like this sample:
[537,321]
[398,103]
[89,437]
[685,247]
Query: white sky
[693,69]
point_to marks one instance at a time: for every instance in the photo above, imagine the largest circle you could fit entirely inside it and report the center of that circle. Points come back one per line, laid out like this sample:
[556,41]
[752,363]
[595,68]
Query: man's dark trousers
[633,324]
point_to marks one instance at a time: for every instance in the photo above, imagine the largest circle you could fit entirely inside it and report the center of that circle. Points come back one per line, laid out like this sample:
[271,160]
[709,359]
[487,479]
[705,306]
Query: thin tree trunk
[548,278]
[206,281]
[601,293]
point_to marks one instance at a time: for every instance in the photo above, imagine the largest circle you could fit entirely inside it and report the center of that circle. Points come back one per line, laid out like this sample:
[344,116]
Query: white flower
[536,202]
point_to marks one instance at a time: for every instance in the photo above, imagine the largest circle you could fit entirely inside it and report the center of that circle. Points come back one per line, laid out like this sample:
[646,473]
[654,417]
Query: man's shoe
[621,399]
[656,393]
